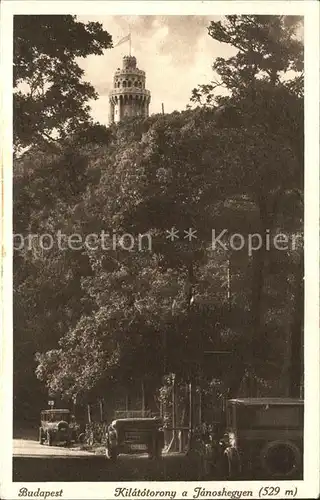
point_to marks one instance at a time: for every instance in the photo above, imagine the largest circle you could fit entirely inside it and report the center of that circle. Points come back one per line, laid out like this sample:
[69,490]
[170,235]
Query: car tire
[234,465]
[158,450]
[223,467]
[111,453]
[269,467]
[230,465]
[49,438]
[154,448]
[151,452]
[41,439]
[81,437]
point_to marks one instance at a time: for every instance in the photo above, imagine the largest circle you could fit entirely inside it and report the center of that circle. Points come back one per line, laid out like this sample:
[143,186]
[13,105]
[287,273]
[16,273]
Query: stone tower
[129,96]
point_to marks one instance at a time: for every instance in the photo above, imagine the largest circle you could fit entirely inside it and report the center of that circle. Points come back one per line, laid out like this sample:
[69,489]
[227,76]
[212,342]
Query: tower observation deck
[129,97]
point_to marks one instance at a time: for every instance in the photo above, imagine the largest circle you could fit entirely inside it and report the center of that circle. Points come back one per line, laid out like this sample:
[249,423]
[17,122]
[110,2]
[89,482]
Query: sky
[176,53]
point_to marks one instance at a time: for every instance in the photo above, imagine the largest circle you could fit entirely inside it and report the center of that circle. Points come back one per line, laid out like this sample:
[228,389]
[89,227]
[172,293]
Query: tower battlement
[129,96]
[129,62]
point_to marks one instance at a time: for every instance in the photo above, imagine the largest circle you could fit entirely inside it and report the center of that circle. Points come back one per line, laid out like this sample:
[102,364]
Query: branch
[48,143]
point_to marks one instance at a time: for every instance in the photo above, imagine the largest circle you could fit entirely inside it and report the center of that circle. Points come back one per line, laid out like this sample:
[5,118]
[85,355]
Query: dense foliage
[50,96]
[103,315]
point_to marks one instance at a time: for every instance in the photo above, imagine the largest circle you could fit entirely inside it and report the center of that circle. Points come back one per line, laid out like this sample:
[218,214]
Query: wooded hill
[88,321]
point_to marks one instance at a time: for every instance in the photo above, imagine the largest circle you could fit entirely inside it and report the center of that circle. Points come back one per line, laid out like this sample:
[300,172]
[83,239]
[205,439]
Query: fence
[95,433]
[134,414]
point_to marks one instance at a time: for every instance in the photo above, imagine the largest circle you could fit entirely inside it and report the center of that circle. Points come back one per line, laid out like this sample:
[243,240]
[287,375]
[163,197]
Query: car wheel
[281,459]
[151,452]
[41,439]
[49,438]
[81,437]
[234,466]
[111,453]
[158,450]
[229,465]
[224,467]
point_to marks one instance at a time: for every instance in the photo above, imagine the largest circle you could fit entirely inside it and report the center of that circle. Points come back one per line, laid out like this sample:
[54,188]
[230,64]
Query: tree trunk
[296,362]
[258,261]
[191,419]
[89,413]
[258,264]
[229,299]
[101,409]
[174,413]
[200,406]
[143,396]
[190,284]
[74,405]
[191,383]
[127,401]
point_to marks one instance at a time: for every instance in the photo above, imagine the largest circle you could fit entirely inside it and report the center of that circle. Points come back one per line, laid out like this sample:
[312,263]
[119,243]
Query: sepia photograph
[159,302]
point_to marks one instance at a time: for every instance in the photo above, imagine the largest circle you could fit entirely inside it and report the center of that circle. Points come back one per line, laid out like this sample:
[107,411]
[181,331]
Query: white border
[309,487]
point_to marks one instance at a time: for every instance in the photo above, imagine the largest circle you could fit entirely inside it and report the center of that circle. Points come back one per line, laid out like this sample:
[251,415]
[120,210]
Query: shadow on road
[97,468]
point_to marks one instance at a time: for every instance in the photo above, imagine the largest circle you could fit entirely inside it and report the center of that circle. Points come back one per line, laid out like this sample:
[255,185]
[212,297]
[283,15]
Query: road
[33,462]
[31,448]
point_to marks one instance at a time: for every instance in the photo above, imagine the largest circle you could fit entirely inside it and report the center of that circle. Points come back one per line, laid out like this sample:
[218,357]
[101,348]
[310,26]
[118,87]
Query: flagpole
[129,44]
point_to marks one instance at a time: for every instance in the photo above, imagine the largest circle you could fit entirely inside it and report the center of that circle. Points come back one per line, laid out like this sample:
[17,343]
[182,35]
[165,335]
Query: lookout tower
[129,96]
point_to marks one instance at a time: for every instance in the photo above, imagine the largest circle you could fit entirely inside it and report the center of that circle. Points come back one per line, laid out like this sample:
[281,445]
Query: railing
[96,433]
[130,90]
[134,414]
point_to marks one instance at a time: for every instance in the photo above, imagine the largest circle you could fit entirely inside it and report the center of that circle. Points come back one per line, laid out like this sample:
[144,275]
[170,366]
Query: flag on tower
[122,40]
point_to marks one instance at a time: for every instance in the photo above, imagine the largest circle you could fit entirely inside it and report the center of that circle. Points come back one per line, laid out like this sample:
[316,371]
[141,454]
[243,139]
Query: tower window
[124,83]
[129,83]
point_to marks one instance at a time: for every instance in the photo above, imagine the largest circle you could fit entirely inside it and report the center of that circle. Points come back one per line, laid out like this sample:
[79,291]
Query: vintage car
[263,440]
[56,427]
[134,435]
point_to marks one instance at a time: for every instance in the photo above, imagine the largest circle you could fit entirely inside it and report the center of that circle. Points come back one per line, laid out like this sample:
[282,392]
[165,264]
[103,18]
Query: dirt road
[35,462]
[30,448]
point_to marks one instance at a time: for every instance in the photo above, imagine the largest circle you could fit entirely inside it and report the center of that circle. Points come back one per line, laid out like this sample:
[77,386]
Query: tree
[50,96]
[51,114]
[47,295]
[131,314]
[255,78]
[267,48]
[182,171]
